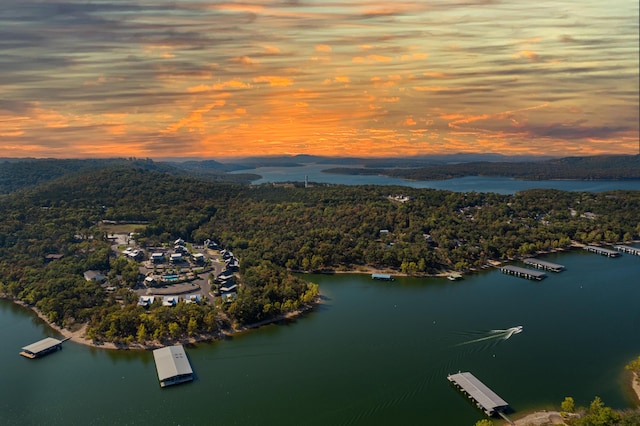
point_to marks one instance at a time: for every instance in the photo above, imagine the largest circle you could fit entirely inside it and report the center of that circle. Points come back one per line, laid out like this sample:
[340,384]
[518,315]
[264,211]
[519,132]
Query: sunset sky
[195,78]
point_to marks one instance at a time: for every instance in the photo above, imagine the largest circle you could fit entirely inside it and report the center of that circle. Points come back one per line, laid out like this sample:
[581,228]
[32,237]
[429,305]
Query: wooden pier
[541,264]
[602,251]
[483,397]
[628,249]
[42,347]
[523,272]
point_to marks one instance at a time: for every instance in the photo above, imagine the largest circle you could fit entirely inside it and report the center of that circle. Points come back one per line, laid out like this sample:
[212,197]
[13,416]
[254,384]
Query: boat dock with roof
[628,249]
[602,251]
[523,272]
[172,365]
[42,347]
[541,264]
[484,398]
[382,277]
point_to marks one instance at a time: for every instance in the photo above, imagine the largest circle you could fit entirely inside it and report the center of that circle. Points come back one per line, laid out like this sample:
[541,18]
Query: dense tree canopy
[273,230]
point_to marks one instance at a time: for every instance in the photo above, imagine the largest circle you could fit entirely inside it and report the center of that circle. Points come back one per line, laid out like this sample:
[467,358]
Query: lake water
[373,353]
[466,184]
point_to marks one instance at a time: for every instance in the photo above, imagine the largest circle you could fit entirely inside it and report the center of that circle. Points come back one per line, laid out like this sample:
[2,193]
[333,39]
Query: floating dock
[628,249]
[602,251]
[382,277]
[484,398]
[172,365]
[541,264]
[523,272]
[42,347]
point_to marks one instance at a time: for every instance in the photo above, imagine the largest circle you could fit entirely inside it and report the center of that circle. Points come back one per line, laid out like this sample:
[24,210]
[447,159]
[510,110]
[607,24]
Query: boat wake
[498,335]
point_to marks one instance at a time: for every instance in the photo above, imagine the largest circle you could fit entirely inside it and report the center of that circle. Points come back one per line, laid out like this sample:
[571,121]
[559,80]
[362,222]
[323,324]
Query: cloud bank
[216,79]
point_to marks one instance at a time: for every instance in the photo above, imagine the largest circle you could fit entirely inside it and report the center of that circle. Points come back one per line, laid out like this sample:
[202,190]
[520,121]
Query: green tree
[568,405]
[192,326]
[634,366]
[141,335]
[484,422]
[174,330]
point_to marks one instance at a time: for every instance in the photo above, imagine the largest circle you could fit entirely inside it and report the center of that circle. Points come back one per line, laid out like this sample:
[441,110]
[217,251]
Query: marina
[523,272]
[172,365]
[484,398]
[42,347]
[541,264]
[628,249]
[602,251]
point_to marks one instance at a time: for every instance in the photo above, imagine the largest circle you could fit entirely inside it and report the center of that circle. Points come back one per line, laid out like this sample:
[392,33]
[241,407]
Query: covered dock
[628,249]
[382,277]
[541,264]
[42,347]
[602,251]
[523,272]
[172,365]
[484,398]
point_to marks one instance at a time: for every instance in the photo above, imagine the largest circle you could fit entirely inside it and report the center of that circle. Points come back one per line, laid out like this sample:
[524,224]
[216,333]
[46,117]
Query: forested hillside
[614,167]
[273,231]
[26,173]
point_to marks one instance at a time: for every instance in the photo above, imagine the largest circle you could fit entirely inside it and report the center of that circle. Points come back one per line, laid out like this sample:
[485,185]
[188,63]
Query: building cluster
[146,301]
[227,288]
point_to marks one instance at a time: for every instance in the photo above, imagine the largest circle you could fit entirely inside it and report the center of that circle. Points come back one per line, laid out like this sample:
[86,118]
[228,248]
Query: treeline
[274,231]
[27,173]
[612,167]
[316,229]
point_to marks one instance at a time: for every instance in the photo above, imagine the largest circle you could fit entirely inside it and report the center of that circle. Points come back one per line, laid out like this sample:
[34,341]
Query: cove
[373,353]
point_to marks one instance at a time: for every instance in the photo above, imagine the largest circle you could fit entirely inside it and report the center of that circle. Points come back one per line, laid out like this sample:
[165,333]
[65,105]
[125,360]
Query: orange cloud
[430,88]
[323,48]
[435,74]
[528,54]
[231,84]
[372,58]
[194,120]
[244,60]
[273,80]
[414,56]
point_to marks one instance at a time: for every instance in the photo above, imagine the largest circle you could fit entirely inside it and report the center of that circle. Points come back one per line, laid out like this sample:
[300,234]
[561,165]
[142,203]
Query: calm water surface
[374,353]
[465,184]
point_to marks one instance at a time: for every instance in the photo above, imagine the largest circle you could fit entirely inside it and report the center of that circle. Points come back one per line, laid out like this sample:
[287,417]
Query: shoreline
[546,417]
[635,385]
[78,334]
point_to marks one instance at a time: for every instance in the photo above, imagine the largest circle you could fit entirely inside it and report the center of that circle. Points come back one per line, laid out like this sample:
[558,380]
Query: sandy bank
[635,384]
[77,335]
[539,418]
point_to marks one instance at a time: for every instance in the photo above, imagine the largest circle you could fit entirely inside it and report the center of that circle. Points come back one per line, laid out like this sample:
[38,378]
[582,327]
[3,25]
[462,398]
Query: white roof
[41,345]
[171,361]
[478,390]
